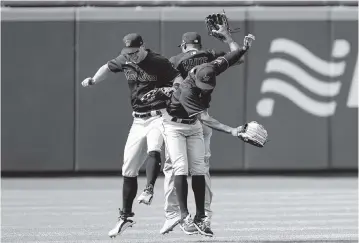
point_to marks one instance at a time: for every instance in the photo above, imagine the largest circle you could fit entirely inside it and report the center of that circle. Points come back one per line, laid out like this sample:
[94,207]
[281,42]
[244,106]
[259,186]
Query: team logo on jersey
[139,75]
[324,89]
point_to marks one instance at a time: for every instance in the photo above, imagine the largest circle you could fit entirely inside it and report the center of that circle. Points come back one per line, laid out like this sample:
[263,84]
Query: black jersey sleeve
[223,63]
[219,54]
[234,56]
[116,65]
[215,54]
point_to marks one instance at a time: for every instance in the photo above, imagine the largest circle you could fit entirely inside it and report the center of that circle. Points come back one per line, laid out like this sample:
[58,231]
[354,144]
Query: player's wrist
[234,131]
[228,129]
[229,39]
[92,81]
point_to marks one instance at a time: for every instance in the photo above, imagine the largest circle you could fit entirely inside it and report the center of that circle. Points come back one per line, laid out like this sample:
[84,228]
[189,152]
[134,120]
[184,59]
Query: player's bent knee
[129,174]
[181,174]
[198,174]
[198,171]
[154,149]
[180,171]
[154,146]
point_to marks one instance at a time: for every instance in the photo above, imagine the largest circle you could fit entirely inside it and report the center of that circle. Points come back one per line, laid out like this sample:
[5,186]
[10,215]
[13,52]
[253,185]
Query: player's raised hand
[87,82]
[223,32]
[248,39]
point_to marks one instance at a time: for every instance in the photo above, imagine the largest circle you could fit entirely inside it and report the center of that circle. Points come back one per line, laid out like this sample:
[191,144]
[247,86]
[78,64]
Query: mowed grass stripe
[292,202]
[327,213]
[145,221]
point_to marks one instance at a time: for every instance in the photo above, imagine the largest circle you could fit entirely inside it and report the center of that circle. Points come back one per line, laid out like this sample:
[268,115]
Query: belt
[147,114]
[184,121]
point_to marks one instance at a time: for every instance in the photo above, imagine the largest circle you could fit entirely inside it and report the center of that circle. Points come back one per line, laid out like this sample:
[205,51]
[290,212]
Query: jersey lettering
[188,64]
[140,75]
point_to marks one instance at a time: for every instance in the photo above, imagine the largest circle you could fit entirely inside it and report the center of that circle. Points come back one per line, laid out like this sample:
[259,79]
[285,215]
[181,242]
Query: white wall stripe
[37,14]
[344,13]
[289,13]
[199,13]
[178,13]
[129,14]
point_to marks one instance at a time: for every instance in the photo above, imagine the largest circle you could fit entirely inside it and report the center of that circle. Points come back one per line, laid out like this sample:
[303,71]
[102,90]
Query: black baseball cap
[133,43]
[190,38]
[205,77]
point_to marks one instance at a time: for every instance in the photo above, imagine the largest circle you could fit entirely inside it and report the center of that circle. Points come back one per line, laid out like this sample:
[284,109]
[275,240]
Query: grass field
[246,209]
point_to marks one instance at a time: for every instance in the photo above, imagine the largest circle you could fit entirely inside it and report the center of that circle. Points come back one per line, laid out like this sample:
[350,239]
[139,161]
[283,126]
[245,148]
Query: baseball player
[183,132]
[192,55]
[144,71]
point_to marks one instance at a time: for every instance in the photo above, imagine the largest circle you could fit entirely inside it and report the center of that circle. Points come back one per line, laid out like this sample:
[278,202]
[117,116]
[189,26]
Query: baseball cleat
[146,196]
[122,224]
[170,224]
[203,226]
[187,225]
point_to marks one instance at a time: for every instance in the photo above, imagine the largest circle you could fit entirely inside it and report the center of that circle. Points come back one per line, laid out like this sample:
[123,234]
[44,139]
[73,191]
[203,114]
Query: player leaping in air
[145,71]
[183,132]
[192,55]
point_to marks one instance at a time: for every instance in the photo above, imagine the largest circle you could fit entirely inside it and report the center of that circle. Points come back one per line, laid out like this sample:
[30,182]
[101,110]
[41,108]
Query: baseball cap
[205,76]
[190,38]
[133,43]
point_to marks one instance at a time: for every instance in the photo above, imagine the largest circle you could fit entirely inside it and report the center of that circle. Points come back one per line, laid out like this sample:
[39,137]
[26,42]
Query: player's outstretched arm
[232,58]
[100,75]
[240,51]
[216,125]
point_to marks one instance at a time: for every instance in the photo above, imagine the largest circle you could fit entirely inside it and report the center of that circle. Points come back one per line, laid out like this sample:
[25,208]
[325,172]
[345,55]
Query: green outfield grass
[246,209]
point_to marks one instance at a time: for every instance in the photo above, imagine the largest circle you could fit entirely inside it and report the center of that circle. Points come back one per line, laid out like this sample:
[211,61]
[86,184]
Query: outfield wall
[299,80]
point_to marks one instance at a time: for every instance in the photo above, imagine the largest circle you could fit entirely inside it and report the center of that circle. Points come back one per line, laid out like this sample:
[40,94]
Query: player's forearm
[214,124]
[233,46]
[101,74]
[234,56]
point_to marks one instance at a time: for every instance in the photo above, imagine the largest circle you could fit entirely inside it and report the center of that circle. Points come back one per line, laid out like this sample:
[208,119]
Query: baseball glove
[254,134]
[157,93]
[218,26]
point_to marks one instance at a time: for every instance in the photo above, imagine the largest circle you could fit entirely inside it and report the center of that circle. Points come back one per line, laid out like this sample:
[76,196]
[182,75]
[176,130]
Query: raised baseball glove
[254,134]
[218,26]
